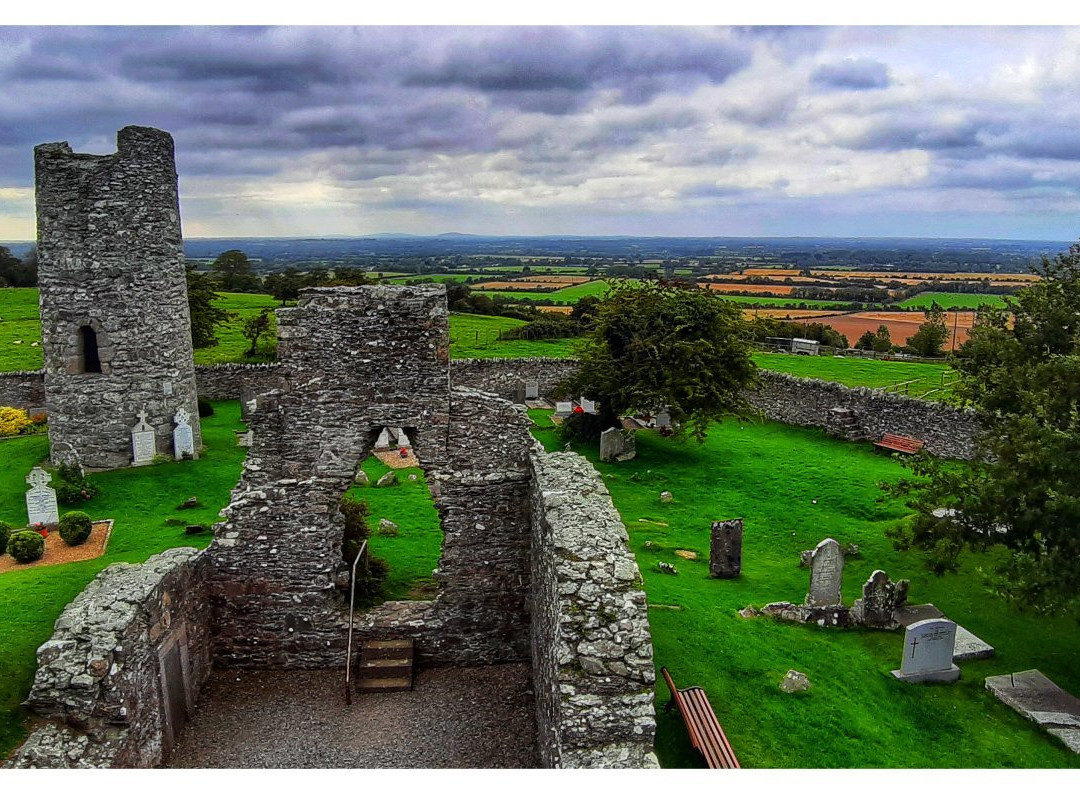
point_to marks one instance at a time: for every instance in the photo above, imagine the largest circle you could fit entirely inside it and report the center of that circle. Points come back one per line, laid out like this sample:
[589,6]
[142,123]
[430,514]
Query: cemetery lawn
[141,501]
[855,714]
[414,552]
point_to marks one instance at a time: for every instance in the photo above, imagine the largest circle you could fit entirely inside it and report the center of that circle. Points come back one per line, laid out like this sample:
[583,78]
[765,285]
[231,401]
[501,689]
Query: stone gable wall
[99,678]
[235,381]
[592,650]
[110,258]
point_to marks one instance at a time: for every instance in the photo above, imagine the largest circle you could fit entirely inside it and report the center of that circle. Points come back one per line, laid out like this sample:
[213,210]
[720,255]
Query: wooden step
[402,684]
[386,649]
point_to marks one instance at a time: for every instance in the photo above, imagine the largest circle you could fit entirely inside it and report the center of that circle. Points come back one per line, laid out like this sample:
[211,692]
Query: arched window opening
[89,358]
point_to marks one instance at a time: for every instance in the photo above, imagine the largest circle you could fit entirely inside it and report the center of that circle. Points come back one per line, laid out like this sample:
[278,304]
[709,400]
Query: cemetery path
[478,717]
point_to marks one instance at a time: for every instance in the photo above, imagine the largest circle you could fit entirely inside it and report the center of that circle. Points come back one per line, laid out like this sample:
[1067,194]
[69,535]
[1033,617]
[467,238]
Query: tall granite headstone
[826,575]
[928,652]
[143,442]
[725,549]
[41,507]
[183,438]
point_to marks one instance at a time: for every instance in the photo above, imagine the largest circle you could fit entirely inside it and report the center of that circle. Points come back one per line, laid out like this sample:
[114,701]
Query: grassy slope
[860,371]
[856,714]
[476,336]
[414,553]
[951,300]
[140,500]
[565,295]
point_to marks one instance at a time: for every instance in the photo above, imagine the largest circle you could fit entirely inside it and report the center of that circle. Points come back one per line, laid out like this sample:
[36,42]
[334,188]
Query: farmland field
[901,325]
[951,300]
[872,373]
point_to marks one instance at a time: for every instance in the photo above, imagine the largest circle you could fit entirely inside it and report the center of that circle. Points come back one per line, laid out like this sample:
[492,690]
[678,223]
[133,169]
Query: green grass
[414,553]
[869,372]
[951,300]
[476,336]
[139,500]
[571,294]
[856,714]
[231,344]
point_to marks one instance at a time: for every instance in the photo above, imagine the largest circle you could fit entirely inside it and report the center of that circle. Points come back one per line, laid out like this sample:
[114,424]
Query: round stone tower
[115,326]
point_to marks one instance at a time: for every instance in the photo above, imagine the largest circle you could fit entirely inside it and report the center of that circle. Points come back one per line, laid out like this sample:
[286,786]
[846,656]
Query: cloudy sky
[883,131]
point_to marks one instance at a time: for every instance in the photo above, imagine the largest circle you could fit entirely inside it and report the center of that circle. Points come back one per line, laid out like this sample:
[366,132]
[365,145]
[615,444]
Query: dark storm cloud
[852,74]
[1044,143]
[903,131]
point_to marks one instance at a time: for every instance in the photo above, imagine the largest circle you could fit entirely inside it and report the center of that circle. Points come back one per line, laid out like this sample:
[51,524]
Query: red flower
[579,410]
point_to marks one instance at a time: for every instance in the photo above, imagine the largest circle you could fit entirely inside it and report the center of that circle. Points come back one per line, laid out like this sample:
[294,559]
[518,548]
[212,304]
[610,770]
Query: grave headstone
[725,549]
[41,507]
[617,444]
[564,408]
[183,438]
[826,574]
[880,600]
[383,441]
[243,438]
[402,439]
[588,406]
[928,652]
[663,419]
[532,390]
[143,442]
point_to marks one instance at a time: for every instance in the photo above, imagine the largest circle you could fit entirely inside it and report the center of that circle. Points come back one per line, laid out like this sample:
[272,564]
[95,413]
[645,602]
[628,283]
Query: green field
[572,294]
[140,501]
[951,300]
[855,714]
[476,336]
[935,379]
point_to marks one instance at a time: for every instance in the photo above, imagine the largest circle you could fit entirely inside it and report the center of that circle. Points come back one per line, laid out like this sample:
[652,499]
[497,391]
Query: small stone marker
[564,408]
[143,442]
[588,406]
[725,549]
[794,681]
[826,575]
[617,444]
[532,390]
[928,652]
[183,438]
[388,479]
[387,527]
[41,507]
[244,437]
[665,496]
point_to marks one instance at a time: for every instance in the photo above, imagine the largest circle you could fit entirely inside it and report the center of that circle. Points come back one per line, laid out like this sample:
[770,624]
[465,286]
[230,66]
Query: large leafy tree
[660,344]
[15,272]
[205,316]
[932,334]
[1023,375]
[234,271]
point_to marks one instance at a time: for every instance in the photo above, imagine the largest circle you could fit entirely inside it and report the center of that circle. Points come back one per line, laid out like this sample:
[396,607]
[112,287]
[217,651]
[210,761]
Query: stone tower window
[89,358]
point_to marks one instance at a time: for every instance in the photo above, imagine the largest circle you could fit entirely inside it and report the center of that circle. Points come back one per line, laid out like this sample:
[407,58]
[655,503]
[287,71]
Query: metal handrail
[352,608]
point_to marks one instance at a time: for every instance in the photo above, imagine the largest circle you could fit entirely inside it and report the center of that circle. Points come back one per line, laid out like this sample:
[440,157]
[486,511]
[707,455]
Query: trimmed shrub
[5,533]
[13,421]
[75,527]
[26,545]
[72,487]
[205,408]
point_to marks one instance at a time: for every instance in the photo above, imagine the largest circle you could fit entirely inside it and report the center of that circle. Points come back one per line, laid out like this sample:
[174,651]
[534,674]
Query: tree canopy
[234,271]
[1022,373]
[659,344]
[205,316]
[932,334]
[15,272]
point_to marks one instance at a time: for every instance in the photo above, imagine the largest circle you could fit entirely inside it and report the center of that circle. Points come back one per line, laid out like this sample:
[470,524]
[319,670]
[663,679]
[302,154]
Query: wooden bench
[895,443]
[705,732]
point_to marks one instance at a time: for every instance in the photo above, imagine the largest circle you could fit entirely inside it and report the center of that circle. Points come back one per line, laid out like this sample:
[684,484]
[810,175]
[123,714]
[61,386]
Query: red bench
[895,443]
[705,732]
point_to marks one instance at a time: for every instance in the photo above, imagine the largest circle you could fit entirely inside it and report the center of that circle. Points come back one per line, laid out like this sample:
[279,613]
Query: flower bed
[58,552]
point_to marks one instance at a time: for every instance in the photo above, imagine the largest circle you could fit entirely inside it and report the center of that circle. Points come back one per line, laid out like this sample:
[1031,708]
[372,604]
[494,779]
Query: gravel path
[479,717]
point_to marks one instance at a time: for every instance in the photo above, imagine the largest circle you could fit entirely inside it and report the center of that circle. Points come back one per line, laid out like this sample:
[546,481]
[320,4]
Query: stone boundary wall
[806,402]
[101,679]
[23,389]
[233,381]
[502,375]
[592,649]
[948,432]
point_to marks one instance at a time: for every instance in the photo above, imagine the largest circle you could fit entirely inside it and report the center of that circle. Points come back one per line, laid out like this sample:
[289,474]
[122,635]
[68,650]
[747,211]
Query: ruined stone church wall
[504,375]
[111,269]
[100,680]
[23,389]
[592,649]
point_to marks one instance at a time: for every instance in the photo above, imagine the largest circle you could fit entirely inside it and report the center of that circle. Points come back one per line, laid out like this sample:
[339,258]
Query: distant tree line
[15,272]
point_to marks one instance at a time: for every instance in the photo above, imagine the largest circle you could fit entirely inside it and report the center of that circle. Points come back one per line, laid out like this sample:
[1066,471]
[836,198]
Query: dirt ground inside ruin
[477,717]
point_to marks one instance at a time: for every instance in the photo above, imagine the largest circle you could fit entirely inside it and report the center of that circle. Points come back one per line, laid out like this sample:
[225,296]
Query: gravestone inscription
[532,390]
[41,507]
[143,442]
[564,408]
[183,438]
[826,574]
[928,652]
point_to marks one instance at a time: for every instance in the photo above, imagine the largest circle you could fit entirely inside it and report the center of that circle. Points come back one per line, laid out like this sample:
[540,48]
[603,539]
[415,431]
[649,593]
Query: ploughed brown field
[792,314]
[901,326]
[766,289]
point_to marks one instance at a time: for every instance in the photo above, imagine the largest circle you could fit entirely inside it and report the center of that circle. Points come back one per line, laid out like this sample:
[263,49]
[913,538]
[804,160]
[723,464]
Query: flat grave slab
[969,647]
[913,613]
[1042,701]
[539,403]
